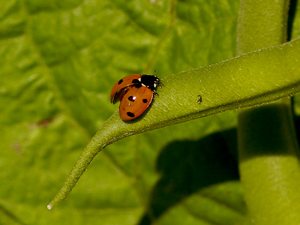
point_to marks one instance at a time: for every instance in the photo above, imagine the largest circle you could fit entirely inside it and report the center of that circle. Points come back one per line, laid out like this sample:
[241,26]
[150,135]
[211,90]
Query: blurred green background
[59,60]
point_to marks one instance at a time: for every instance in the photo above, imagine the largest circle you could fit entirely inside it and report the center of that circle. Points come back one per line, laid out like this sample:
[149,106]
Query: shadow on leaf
[188,166]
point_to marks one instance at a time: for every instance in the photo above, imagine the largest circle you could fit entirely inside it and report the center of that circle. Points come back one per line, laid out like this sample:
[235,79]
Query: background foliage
[59,62]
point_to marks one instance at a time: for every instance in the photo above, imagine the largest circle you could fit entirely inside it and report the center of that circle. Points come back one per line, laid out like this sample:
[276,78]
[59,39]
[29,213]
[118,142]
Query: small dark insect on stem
[200,99]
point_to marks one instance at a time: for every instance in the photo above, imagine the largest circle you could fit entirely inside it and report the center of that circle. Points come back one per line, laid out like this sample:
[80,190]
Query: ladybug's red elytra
[135,92]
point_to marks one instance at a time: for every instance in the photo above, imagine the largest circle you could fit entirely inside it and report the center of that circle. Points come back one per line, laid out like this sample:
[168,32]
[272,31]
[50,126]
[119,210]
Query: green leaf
[203,206]
[59,62]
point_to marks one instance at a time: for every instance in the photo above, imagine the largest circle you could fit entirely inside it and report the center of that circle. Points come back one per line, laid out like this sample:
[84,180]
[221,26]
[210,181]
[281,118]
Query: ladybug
[135,92]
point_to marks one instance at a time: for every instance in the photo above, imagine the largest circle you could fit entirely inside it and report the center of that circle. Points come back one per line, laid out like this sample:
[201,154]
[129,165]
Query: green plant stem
[268,148]
[261,24]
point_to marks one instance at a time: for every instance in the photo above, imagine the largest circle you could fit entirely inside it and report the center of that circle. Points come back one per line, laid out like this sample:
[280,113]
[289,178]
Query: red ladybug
[135,92]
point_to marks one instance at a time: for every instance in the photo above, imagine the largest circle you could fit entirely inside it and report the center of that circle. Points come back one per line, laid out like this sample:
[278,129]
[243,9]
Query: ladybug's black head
[150,81]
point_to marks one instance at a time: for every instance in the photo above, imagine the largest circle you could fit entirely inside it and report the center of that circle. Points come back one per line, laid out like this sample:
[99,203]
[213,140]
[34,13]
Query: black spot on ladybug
[138,85]
[131,98]
[135,81]
[145,100]
[130,114]
[120,81]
